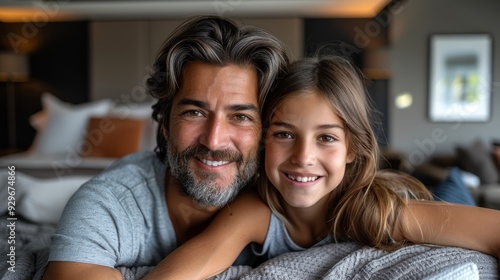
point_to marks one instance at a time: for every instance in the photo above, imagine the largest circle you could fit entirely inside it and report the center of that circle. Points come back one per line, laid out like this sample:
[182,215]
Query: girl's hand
[456,225]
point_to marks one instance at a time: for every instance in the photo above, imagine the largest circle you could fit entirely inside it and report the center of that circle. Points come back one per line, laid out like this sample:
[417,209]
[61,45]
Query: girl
[322,184]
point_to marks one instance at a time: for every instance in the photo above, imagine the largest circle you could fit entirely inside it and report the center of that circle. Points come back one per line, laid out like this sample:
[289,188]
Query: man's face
[214,132]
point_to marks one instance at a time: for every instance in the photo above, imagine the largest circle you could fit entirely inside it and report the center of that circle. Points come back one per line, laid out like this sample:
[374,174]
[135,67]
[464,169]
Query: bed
[59,162]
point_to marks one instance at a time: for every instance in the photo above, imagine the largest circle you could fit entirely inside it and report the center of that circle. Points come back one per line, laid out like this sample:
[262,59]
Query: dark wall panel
[350,36]
[59,63]
[353,37]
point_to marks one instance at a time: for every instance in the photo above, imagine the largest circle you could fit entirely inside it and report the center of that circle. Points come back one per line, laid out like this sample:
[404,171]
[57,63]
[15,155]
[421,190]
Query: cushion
[112,137]
[132,110]
[444,160]
[39,120]
[470,179]
[139,111]
[40,200]
[477,159]
[453,189]
[65,128]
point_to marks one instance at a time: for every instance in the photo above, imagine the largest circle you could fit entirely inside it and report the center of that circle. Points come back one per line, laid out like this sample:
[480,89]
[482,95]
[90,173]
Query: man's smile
[214,162]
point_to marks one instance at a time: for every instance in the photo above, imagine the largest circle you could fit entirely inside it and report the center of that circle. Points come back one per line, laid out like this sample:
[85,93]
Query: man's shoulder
[145,158]
[141,162]
[139,169]
[121,206]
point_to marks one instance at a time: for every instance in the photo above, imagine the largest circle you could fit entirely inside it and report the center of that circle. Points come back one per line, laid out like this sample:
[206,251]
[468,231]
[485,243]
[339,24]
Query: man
[210,78]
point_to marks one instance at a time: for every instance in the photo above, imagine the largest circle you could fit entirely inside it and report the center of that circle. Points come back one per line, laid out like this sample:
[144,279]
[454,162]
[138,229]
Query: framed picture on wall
[460,73]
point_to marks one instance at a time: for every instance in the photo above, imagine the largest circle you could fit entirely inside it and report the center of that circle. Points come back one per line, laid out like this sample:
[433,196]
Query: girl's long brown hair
[366,204]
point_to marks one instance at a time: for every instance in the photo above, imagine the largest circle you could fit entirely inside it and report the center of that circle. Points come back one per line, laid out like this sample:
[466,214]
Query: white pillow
[132,110]
[66,125]
[470,179]
[38,199]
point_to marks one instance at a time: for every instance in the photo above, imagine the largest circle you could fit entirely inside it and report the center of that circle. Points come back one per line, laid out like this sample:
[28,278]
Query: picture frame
[460,77]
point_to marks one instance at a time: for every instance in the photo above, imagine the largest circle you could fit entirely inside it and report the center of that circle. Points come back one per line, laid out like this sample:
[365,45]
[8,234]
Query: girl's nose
[303,153]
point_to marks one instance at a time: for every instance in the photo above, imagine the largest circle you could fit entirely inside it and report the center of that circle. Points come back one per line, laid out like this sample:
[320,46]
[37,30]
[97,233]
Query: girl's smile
[301,178]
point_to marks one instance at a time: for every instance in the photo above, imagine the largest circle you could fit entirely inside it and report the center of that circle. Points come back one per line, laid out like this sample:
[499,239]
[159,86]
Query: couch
[480,167]
[52,170]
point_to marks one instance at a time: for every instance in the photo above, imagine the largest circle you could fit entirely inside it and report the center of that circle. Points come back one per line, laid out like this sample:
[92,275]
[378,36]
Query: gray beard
[205,192]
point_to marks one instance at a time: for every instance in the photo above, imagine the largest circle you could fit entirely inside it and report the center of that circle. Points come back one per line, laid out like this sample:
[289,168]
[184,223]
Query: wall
[411,131]
[82,61]
[123,51]
[119,54]
[354,38]
[58,58]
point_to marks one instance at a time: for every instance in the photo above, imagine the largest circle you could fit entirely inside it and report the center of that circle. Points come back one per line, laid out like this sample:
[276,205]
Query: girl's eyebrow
[321,126]
[330,126]
[284,124]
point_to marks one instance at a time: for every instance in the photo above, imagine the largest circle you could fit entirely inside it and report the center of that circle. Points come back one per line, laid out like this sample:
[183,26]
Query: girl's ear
[350,156]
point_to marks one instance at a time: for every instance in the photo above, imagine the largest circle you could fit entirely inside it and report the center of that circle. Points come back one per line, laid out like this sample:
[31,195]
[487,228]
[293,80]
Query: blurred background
[83,51]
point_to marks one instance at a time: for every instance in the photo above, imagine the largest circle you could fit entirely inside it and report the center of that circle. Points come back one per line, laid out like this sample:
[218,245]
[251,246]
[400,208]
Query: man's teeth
[214,163]
[302,179]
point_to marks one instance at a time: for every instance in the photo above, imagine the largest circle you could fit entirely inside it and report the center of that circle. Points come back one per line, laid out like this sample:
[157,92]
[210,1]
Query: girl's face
[306,151]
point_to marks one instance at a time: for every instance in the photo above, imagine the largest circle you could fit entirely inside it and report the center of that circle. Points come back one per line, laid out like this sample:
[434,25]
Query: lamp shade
[13,67]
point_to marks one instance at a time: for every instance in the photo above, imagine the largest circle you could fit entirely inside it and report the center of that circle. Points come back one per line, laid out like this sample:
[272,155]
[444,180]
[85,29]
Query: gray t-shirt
[118,218]
[278,241]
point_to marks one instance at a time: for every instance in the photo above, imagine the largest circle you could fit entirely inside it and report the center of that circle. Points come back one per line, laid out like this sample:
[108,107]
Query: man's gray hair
[218,41]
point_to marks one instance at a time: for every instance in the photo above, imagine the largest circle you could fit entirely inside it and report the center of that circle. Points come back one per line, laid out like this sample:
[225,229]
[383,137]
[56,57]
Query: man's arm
[457,225]
[215,249]
[80,271]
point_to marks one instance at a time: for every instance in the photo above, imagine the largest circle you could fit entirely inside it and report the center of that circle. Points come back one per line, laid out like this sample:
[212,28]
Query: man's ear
[164,132]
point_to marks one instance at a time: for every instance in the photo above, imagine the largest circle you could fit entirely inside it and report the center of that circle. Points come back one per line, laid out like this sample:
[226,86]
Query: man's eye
[242,118]
[192,113]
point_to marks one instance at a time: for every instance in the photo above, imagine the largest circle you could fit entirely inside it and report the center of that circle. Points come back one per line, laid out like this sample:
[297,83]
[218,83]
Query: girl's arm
[447,224]
[215,249]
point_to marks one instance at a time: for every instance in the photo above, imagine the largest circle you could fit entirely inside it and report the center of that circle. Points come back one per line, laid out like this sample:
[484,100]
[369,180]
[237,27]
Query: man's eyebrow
[197,103]
[243,107]
[233,108]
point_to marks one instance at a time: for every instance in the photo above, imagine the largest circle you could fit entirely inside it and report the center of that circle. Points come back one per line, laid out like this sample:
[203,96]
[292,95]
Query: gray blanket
[333,261]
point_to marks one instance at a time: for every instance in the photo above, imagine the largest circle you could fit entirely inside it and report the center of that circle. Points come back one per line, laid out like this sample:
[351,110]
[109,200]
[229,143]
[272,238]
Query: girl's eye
[327,138]
[283,135]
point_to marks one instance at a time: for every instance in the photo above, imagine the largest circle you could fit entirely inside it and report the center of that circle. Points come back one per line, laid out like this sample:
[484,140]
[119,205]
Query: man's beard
[205,191]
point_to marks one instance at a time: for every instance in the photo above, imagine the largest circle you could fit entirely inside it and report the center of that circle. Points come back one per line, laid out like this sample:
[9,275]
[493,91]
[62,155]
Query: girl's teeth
[214,163]
[302,179]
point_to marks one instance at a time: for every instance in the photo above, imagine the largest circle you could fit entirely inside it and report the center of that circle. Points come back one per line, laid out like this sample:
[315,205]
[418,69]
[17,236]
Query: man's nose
[216,133]
[303,153]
